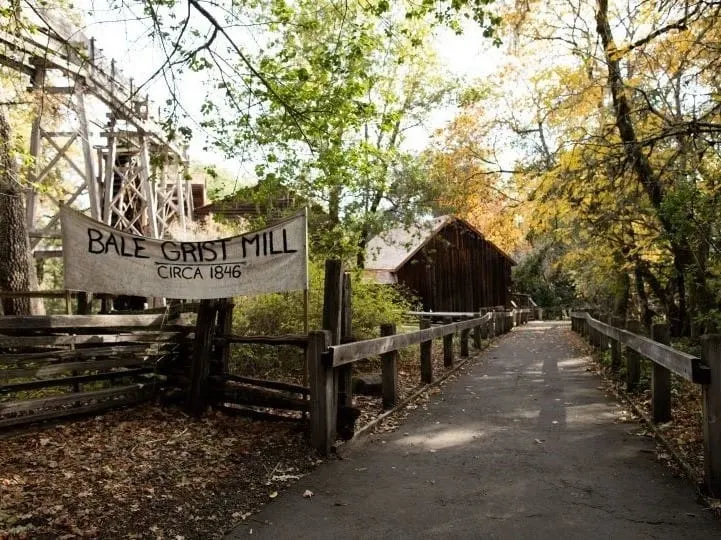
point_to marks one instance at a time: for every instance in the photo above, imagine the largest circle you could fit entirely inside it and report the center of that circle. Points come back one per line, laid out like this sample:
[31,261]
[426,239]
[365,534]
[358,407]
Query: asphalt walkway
[524,444]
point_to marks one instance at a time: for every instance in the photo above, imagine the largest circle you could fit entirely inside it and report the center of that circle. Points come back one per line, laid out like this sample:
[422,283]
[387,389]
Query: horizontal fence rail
[339,355]
[705,371]
[684,365]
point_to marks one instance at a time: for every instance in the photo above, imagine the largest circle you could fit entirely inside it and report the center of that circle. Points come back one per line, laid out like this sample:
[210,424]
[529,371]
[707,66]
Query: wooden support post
[711,395]
[464,342]
[389,371]
[426,356]
[333,308]
[345,373]
[200,367]
[661,379]
[477,333]
[84,303]
[447,346]
[225,326]
[323,393]
[616,358]
[633,359]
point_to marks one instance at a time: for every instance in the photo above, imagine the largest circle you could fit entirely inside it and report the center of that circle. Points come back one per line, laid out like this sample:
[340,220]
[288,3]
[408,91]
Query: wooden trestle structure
[129,174]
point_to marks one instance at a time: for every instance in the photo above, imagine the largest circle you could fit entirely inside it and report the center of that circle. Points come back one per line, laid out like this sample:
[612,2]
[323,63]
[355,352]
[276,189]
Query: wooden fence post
[225,325]
[464,342]
[202,348]
[345,373]
[633,359]
[426,355]
[616,359]
[322,393]
[661,379]
[389,371]
[477,339]
[332,309]
[711,395]
[447,346]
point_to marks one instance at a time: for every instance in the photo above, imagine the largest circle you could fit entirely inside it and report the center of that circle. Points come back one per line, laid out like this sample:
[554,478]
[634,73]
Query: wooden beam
[711,396]
[661,380]
[323,393]
[67,322]
[352,352]
[389,371]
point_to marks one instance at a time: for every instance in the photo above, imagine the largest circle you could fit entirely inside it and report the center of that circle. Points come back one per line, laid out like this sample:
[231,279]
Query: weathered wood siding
[457,270]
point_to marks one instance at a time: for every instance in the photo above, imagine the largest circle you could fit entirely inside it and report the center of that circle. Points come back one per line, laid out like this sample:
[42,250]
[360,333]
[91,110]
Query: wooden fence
[705,371]
[326,360]
[63,365]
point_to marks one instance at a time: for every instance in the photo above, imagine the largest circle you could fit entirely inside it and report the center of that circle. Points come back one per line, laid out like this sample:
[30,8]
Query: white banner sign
[101,259]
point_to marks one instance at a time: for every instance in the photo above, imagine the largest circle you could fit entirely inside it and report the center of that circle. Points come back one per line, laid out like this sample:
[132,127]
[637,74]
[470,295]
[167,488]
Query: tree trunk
[17,271]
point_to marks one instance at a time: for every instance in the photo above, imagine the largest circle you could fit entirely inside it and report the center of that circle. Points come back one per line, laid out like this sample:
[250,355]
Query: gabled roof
[389,251]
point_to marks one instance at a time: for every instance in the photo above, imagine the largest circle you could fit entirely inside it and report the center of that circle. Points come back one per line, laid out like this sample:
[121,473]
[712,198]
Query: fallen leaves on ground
[146,472]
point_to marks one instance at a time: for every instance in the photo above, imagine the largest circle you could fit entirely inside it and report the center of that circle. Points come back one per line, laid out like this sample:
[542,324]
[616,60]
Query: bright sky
[468,56]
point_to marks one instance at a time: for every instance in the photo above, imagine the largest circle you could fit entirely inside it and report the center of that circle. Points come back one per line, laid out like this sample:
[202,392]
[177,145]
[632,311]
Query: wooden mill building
[446,262]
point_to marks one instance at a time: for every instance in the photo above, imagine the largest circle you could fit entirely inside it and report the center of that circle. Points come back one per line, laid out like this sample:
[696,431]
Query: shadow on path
[522,445]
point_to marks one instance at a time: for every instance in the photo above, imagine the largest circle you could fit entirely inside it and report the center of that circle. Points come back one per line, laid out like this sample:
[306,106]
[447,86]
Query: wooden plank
[323,393]
[288,339]
[36,294]
[352,352]
[448,347]
[661,380]
[90,352]
[258,397]
[426,355]
[277,385]
[91,408]
[57,369]
[443,314]
[66,381]
[680,363]
[711,396]
[389,371]
[45,322]
[87,339]
[15,407]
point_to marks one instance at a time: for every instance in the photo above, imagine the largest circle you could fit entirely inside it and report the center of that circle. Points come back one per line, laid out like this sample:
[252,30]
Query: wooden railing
[325,361]
[705,371]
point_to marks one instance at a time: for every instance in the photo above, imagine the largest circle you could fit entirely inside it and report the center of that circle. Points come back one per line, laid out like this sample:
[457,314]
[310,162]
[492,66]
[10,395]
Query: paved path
[523,445]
